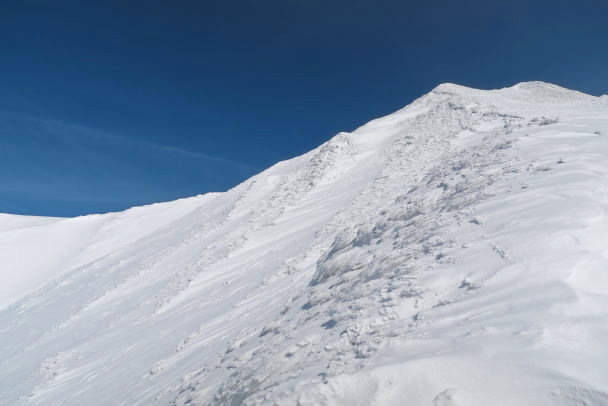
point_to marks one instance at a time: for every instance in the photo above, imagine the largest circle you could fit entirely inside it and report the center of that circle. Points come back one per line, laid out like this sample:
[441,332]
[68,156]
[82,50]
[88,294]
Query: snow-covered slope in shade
[37,249]
[452,253]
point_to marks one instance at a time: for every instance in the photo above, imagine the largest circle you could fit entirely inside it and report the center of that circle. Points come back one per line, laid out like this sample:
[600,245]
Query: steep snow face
[451,253]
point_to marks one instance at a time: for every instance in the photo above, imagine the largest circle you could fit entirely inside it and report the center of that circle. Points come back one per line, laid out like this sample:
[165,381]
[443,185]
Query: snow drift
[454,252]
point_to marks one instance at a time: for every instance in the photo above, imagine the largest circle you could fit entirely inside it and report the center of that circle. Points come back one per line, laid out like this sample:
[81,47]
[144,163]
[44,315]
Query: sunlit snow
[454,252]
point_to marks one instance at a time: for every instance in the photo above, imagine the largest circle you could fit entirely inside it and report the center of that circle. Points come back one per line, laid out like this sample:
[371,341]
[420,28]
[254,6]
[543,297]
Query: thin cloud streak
[76,130]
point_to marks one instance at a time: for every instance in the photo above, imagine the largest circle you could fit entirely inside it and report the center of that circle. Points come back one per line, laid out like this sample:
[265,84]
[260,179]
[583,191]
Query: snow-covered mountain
[454,252]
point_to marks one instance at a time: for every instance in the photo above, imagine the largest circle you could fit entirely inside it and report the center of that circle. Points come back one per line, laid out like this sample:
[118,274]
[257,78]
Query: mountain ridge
[372,269]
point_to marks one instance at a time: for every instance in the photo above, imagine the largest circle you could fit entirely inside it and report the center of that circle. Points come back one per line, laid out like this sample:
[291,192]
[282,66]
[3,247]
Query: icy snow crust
[452,253]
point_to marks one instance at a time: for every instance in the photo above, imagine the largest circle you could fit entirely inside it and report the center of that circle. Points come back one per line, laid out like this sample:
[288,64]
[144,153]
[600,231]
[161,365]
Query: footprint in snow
[446,398]
[469,285]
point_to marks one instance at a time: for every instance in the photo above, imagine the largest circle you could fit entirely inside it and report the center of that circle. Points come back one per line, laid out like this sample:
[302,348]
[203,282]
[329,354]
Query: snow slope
[452,253]
[37,249]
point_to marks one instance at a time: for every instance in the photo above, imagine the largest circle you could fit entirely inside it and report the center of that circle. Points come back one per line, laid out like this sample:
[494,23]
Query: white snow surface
[453,253]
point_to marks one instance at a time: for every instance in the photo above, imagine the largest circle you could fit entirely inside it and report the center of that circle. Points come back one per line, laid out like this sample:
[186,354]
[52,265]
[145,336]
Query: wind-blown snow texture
[452,253]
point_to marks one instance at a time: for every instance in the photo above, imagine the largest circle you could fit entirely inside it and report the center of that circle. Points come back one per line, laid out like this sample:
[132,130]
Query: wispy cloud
[64,129]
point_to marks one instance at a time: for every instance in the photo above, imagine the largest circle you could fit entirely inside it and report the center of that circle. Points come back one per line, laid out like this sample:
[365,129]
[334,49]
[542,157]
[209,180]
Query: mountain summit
[451,253]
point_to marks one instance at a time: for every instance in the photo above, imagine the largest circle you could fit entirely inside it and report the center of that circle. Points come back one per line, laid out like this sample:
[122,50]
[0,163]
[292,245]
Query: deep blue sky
[116,104]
